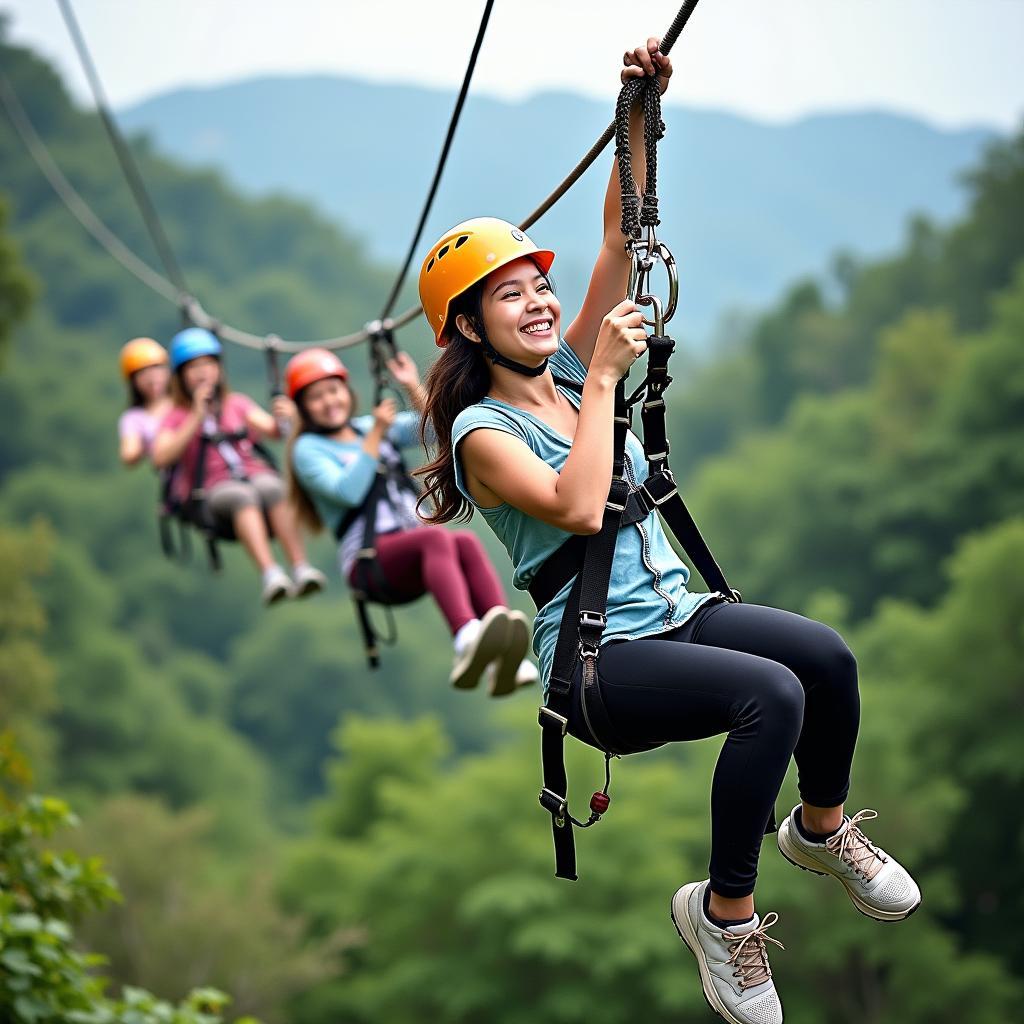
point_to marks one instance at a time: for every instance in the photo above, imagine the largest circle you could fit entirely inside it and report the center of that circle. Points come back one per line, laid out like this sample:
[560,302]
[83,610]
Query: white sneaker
[526,675]
[878,885]
[308,580]
[276,585]
[503,677]
[733,962]
[483,646]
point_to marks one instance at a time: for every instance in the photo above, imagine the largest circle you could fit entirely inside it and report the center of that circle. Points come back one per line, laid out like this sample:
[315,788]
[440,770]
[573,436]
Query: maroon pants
[449,564]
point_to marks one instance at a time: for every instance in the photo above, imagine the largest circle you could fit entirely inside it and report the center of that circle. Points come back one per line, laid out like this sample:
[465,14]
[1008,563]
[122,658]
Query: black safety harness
[369,585]
[586,561]
[191,512]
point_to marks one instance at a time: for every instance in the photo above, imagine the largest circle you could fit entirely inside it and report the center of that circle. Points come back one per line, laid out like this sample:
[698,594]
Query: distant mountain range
[746,206]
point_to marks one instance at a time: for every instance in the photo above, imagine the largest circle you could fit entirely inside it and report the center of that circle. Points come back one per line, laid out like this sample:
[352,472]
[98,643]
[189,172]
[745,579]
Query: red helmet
[309,366]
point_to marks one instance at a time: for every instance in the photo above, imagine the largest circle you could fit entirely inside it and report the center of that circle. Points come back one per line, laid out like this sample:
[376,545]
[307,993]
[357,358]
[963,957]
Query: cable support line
[136,266]
[125,158]
[74,202]
[128,259]
[668,40]
[442,160]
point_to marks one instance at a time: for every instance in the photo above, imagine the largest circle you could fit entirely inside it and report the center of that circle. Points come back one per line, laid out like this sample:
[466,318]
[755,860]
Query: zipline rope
[124,155]
[76,205]
[445,149]
[162,286]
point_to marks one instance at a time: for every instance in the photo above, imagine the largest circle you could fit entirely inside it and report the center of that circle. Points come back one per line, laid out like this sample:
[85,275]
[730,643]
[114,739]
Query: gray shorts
[223,500]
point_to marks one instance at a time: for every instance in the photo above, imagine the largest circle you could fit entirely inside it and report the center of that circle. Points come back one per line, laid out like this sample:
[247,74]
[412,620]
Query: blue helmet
[192,343]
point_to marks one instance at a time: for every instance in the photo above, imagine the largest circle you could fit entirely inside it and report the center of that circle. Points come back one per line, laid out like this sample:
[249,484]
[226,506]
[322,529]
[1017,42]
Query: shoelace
[853,847]
[749,956]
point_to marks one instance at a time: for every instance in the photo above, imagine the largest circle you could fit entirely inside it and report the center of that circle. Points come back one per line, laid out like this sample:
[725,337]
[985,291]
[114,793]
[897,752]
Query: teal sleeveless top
[647,593]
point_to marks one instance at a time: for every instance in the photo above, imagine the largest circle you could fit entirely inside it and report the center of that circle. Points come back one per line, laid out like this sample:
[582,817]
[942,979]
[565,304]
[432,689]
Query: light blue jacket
[337,475]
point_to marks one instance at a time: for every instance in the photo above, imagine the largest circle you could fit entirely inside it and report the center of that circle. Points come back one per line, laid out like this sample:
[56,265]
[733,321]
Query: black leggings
[777,683]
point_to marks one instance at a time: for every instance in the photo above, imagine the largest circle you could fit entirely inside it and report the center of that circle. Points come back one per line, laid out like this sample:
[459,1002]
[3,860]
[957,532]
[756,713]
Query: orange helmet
[309,366]
[465,255]
[139,353]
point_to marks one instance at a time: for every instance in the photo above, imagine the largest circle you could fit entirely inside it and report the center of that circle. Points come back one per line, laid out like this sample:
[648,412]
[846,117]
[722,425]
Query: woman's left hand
[404,370]
[283,409]
[647,60]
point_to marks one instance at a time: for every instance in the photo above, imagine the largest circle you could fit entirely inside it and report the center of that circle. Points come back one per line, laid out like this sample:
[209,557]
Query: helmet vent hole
[430,265]
[443,251]
[462,239]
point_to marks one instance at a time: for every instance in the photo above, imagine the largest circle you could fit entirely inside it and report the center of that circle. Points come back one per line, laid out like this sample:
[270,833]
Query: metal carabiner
[658,323]
[641,263]
[652,249]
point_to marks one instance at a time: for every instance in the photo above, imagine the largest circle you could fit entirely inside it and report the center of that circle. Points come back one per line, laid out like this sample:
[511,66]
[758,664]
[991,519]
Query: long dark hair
[135,399]
[298,496]
[458,379]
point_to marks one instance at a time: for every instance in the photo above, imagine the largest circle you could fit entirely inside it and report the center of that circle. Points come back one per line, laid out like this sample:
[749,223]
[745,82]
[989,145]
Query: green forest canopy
[856,456]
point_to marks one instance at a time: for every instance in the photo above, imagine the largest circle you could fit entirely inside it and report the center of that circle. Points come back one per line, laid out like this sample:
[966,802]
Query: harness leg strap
[553,795]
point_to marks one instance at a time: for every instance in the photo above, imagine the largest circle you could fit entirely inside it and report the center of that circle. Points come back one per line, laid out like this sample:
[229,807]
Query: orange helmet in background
[466,255]
[309,366]
[139,353]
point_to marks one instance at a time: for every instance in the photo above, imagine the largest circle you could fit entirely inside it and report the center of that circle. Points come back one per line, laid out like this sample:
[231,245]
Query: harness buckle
[657,481]
[593,620]
[366,553]
[556,804]
[655,502]
[614,506]
[562,721]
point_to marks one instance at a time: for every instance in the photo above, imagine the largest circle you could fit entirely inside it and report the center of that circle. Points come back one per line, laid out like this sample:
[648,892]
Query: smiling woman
[525,419]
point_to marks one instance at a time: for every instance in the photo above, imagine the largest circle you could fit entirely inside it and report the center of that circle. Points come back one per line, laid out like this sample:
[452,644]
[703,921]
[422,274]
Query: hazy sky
[953,62]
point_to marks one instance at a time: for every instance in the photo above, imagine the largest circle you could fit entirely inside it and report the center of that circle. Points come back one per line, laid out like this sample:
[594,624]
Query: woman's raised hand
[647,60]
[282,408]
[621,340]
[202,397]
[384,414]
[404,370]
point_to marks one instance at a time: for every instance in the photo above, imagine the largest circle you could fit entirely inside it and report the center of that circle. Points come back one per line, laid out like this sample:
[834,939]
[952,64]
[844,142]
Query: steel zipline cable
[389,305]
[81,210]
[129,167]
[75,204]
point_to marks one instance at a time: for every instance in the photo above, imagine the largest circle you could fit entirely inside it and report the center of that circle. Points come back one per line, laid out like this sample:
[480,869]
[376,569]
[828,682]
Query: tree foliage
[45,979]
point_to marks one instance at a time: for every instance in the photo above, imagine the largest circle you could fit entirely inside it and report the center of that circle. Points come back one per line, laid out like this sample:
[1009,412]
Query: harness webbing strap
[192,511]
[587,562]
[370,582]
[582,626]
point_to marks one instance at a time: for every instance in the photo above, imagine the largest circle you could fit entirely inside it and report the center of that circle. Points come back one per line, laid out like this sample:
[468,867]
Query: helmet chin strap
[510,364]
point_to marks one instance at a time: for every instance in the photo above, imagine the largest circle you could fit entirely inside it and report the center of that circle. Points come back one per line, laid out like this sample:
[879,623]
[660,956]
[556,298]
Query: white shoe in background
[503,677]
[526,675]
[308,580]
[476,648]
[276,585]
